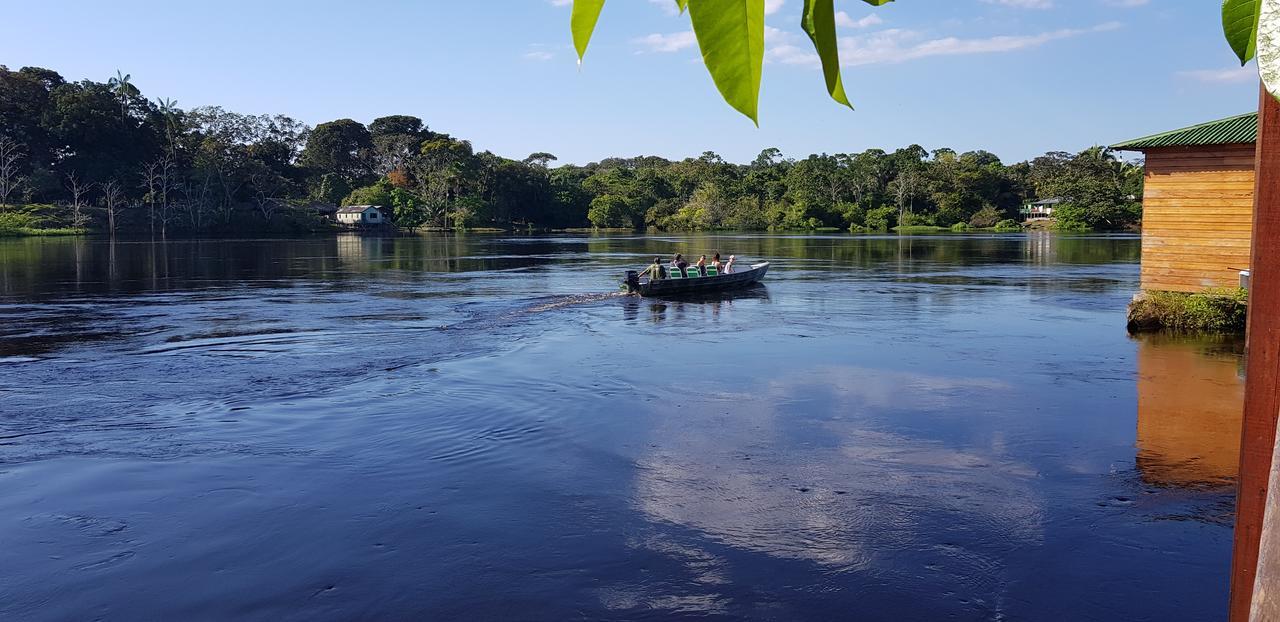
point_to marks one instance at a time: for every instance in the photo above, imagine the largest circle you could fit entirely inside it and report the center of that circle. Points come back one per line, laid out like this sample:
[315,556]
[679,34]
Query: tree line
[102,155]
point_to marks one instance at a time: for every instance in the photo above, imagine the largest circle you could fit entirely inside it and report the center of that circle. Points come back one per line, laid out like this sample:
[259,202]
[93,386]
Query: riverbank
[27,231]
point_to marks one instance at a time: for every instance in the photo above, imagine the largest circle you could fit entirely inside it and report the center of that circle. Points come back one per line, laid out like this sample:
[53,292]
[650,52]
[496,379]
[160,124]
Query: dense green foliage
[108,157]
[908,189]
[1215,310]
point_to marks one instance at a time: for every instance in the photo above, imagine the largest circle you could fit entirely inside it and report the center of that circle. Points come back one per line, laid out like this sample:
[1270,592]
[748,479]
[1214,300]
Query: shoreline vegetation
[1222,310]
[103,157]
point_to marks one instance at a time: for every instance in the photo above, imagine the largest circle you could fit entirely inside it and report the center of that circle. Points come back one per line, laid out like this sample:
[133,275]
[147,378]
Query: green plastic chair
[693,272]
[711,271]
[674,273]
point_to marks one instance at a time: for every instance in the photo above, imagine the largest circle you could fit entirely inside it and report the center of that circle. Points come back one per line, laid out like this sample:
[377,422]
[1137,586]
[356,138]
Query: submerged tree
[112,201]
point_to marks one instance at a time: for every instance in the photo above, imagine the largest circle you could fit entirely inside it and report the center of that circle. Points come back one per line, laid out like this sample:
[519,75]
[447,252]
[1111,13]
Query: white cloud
[1229,75]
[666,43]
[772,6]
[1023,4]
[560,2]
[896,46]
[539,55]
[1128,4]
[844,21]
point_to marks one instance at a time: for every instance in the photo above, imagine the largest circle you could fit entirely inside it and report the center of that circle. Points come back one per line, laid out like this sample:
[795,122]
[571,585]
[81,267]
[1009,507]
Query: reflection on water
[850,496]
[484,427]
[1190,401]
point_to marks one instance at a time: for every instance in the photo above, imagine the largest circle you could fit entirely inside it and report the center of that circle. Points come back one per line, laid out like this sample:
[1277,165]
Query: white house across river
[361,215]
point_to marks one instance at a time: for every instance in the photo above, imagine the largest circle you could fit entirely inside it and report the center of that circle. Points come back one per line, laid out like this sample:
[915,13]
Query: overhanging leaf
[1269,46]
[583,22]
[819,22]
[1240,24]
[682,5]
[731,36]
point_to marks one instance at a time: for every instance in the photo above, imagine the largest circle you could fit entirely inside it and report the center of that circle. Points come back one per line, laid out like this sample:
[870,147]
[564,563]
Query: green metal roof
[1232,130]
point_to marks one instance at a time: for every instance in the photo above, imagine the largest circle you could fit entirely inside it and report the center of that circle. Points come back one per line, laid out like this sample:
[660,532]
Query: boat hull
[701,285]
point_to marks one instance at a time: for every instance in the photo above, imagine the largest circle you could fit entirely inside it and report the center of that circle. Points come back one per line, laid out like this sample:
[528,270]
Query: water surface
[481,427]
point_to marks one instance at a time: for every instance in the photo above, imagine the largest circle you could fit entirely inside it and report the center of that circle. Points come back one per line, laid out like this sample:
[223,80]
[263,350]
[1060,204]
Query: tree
[611,211]
[376,194]
[1095,187]
[79,191]
[342,147]
[151,183]
[442,170]
[540,159]
[408,210]
[169,110]
[10,179]
[81,118]
[397,125]
[112,202]
[268,187]
[123,89]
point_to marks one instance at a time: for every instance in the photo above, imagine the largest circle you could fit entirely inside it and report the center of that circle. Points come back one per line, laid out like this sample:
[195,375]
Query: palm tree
[169,108]
[124,89]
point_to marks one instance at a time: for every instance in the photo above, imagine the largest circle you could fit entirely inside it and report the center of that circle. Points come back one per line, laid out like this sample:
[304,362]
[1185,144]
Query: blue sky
[1015,77]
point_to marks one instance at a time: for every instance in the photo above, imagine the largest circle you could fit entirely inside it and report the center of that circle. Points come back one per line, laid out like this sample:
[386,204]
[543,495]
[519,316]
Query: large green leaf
[1240,24]
[819,22]
[583,22]
[682,5]
[1268,45]
[731,36]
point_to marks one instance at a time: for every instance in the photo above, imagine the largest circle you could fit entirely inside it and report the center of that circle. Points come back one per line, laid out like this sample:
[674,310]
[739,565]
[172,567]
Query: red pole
[1262,376]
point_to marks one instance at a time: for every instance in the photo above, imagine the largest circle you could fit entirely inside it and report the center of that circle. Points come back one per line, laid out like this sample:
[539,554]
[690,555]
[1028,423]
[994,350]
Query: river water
[481,427]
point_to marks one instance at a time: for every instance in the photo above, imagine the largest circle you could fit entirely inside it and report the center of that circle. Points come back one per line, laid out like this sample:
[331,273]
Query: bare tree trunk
[165,179]
[113,199]
[10,181]
[79,191]
[150,180]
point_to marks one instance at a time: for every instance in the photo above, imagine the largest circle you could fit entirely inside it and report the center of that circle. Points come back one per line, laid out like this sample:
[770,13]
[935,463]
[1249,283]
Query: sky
[1014,77]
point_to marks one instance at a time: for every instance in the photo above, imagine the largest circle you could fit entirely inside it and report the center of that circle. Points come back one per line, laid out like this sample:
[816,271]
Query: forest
[102,156]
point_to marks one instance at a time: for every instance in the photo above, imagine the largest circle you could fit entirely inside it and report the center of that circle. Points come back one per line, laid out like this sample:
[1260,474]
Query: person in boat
[728,265]
[679,262]
[702,265]
[655,271]
[716,263]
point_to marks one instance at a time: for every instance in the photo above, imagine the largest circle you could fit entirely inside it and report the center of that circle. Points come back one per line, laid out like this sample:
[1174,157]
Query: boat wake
[560,302]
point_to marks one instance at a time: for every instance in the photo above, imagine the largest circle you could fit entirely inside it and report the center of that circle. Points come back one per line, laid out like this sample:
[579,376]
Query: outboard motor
[633,281]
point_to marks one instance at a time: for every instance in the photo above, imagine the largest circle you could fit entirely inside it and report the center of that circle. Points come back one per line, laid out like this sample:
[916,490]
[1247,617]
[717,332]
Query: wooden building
[1197,208]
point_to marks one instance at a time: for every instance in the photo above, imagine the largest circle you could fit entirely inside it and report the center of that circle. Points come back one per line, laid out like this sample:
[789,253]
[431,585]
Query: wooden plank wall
[1197,217]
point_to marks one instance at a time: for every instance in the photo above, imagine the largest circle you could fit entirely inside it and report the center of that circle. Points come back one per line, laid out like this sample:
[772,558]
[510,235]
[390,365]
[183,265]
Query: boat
[695,284]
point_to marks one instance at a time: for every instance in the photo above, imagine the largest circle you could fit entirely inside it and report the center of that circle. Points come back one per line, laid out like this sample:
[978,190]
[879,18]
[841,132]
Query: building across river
[361,215]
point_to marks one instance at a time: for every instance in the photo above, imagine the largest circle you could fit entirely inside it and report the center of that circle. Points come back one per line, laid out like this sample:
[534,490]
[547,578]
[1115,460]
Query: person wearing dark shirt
[679,262]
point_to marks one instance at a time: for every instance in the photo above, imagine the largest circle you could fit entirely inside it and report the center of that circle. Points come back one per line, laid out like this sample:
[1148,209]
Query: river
[481,427]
